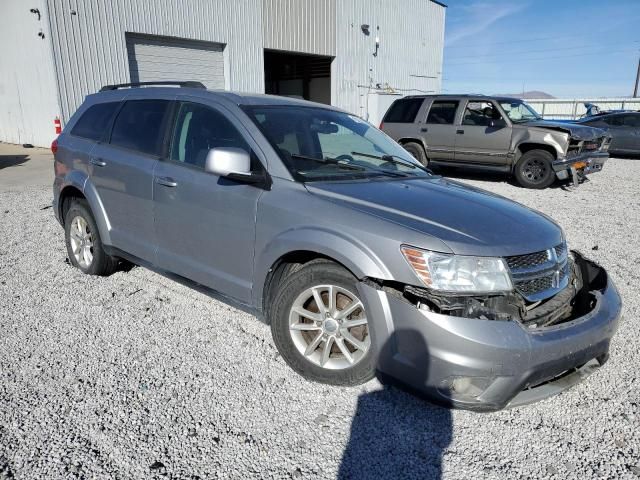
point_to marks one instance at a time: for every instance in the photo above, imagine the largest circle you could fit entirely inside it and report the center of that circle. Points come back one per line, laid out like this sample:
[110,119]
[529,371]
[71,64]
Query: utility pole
[635,90]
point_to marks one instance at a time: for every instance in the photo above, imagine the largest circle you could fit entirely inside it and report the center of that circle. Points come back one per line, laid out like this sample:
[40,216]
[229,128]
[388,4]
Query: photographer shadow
[395,434]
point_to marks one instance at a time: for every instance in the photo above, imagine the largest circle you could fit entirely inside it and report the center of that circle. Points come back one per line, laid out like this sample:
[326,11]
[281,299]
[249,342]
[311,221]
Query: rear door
[122,173]
[483,135]
[438,130]
[205,224]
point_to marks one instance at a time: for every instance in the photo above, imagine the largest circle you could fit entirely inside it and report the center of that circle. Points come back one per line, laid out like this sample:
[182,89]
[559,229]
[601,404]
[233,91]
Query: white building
[54,52]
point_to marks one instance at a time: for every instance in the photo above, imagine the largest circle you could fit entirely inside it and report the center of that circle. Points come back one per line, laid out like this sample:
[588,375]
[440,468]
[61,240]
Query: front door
[483,136]
[205,224]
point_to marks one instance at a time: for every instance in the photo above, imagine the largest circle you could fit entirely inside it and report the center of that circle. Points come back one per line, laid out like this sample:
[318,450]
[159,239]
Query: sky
[567,48]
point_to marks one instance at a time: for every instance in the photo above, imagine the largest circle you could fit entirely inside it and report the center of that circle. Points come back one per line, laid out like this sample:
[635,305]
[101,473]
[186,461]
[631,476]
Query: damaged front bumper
[580,165]
[487,365]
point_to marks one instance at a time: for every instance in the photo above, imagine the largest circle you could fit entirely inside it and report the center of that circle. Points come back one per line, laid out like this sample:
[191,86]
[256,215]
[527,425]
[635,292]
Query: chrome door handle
[98,162]
[166,181]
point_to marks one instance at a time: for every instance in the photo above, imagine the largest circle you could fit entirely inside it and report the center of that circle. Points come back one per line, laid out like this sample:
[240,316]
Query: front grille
[530,260]
[540,275]
[540,284]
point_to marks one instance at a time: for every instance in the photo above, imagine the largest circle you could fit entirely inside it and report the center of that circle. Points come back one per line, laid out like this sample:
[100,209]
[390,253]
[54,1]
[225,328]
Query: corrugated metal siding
[306,26]
[411,36]
[572,108]
[154,58]
[90,48]
[28,97]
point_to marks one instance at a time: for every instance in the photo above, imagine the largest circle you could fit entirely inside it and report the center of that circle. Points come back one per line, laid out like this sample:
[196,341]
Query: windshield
[319,144]
[519,111]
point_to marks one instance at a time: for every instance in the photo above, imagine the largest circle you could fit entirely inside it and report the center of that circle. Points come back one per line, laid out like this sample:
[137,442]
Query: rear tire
[417,151]
[302,340]
[83,242]
[534,170]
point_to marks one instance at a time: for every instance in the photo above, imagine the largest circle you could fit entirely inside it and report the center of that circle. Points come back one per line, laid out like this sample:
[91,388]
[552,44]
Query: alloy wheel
[81,239]
[328,326]
[535,170]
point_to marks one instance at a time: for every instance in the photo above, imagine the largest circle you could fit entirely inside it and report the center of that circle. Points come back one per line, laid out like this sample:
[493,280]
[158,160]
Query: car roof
[238,98]
[468,95]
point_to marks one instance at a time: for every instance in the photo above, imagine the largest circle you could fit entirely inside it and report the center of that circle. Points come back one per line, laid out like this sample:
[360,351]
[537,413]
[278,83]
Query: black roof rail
[190,84]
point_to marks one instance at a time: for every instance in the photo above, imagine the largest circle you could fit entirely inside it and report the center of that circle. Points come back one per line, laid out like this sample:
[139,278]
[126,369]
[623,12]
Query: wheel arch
[529,146]
[289,252]
[77,187]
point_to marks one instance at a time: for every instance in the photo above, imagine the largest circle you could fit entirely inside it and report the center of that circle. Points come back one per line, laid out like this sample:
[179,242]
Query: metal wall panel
[408,61]
[90,48]
[28,94]
[306,26]
[155,58]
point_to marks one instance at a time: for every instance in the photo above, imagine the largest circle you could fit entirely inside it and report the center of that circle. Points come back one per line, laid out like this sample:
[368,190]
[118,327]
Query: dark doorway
[300,76]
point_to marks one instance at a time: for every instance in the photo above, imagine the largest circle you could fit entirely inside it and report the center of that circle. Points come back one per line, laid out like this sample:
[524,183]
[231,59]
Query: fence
[572,109]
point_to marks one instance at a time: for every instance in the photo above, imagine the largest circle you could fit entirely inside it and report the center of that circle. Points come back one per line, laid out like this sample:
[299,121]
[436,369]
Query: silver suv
[495,133]
[360,259]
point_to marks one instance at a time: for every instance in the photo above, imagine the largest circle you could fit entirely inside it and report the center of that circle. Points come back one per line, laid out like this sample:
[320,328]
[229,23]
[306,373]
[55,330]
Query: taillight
[381,125]
[54,146]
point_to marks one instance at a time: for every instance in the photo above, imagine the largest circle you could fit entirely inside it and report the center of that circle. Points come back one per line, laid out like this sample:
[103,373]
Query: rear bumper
[507,364]
[586,163]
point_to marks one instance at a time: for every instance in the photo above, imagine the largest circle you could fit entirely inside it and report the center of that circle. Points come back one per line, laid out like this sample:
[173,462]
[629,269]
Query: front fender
[347,250]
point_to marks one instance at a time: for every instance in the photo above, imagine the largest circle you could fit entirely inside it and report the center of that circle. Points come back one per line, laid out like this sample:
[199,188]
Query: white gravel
[136,376]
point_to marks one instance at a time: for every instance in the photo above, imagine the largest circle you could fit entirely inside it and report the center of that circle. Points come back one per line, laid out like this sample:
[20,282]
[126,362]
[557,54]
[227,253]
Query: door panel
[483,136]
[122,172]
[438,130]
[205,224]
[123,180]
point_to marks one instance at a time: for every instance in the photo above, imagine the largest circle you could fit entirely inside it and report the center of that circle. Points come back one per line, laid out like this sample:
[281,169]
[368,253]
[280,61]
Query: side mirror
[234,164]
[498,123]
[226,161]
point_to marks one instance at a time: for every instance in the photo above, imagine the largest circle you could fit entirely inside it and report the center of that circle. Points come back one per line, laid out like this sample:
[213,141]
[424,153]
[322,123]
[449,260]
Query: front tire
[320,327]
[83,242]
[534,170]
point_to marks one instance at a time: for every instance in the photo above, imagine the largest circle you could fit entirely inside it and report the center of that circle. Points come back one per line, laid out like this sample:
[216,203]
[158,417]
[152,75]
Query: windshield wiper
[388,158]
[329,161]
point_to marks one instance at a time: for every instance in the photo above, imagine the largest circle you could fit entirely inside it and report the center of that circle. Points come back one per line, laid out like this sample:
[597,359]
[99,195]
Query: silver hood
[468,220]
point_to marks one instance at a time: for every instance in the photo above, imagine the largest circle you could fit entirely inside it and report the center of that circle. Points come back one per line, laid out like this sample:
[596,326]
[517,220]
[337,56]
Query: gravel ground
[136,376]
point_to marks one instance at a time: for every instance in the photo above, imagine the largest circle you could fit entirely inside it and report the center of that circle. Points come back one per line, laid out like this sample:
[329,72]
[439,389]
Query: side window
[442,112]
[632,121]
[138,126]
[403,110]
[93,123]
[199,129]
[480,114]
[614,120]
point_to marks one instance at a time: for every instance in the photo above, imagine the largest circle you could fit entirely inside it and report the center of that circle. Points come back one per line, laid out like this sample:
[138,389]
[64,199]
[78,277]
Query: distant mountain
[526,95]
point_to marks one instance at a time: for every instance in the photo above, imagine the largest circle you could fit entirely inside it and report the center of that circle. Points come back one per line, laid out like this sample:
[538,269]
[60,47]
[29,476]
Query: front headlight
[457,273]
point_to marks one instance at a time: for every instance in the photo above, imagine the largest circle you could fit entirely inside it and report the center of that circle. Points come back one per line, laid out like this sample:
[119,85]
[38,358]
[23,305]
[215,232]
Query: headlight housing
[457,273]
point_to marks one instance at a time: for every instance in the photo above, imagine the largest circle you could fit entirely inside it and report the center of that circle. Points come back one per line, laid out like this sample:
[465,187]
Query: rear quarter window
[95,121]
[403,110]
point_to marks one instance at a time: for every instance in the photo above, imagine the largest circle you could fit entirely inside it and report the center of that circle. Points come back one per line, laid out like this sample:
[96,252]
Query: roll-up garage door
[156,58]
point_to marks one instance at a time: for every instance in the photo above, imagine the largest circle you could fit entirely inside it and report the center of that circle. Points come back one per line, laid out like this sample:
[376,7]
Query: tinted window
[442,112]
[480,114]
[632,120]
[403,111]
[138,126]
[198,130]
[614,120]
[94,123]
